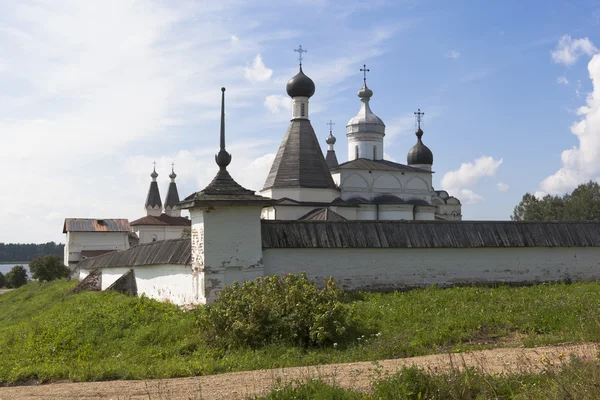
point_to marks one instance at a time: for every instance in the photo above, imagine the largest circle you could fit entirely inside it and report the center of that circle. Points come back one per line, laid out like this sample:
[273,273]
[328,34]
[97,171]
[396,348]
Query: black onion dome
[300,85]
[419,154]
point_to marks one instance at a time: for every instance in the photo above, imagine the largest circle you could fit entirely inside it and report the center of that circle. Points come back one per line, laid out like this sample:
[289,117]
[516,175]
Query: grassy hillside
[46,334]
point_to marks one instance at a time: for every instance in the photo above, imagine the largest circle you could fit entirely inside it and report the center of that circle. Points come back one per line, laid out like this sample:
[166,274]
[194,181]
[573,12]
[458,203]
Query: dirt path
[241,385]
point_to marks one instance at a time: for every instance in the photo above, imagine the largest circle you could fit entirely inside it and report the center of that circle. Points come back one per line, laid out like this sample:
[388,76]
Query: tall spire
[331,158]
[153,203]
[223,190]
[172,198]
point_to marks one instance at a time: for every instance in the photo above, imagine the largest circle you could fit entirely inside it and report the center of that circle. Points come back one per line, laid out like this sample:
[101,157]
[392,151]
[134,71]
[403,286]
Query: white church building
[370,223]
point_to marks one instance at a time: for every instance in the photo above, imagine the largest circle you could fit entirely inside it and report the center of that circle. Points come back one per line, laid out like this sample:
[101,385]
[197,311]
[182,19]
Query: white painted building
[86,237]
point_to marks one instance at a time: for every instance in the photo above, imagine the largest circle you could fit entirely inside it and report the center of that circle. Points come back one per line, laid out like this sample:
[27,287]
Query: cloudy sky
[92,92]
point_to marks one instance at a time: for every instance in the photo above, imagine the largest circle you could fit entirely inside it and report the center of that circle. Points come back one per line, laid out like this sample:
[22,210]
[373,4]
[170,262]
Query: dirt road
[242,385]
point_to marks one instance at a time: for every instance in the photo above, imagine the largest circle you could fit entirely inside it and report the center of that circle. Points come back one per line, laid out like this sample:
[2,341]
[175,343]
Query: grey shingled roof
[299,162]
[377,165]
[428,234]
[174,251]
[153,198]
[163,219]
[172,196]
[331,159]
[322,214]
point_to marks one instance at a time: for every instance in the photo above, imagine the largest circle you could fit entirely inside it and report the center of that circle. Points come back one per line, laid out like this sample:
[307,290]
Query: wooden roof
[174,251]
[427,234]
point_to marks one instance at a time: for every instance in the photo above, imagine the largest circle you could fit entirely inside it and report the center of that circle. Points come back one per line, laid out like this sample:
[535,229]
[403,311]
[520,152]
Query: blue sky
[93,92]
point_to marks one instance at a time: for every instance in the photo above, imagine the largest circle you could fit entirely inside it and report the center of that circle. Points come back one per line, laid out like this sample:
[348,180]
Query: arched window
[302,110]
[356,152]
[374,152]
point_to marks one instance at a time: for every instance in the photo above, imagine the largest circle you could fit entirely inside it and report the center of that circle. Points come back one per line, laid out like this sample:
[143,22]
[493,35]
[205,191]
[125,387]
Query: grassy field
[576,379]
[47,334]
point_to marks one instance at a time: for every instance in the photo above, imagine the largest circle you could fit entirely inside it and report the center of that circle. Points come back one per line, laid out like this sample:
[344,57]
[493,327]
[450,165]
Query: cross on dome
[300,50]
[419,116]
[364,69]
[331,124]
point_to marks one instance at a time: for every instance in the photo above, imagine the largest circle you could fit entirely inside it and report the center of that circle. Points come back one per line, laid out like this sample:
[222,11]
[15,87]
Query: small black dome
[300,85]
[419,154]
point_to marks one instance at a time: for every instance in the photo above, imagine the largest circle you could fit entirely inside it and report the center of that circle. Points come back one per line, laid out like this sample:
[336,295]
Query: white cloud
[503,187]
[540,194]
[562,80]
[277,102]
[258,72]
[469,174]
[453,54]
[567,50]
[234,39]
[581,162]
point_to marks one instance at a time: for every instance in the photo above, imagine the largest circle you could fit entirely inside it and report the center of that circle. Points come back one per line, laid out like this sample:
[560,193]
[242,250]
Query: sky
[93,92]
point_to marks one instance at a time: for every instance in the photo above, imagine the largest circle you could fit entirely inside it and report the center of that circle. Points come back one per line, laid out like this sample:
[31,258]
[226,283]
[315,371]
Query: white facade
[76,242]
[226,247]
[152,233]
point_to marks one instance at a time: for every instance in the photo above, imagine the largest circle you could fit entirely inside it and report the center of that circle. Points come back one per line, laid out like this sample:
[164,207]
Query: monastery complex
[370,223]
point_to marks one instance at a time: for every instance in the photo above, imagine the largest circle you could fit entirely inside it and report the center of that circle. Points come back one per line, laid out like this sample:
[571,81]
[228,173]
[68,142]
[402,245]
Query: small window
[356,152]
[374,152]
[302,110]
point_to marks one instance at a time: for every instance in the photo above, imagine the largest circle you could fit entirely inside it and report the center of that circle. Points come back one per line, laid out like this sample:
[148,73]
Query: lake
[4,268]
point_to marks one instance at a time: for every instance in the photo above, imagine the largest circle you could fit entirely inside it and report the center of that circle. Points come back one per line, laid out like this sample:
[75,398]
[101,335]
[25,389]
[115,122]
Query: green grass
[47,335]
[577,379]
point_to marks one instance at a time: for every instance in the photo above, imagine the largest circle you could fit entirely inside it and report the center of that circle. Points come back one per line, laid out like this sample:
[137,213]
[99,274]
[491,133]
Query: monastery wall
[380,269]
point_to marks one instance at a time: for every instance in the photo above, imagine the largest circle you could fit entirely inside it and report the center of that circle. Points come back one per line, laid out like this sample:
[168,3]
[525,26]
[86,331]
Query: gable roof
[322,214]
[377,165]
[428,234]
[174,251]
[299,162]
[95,225]
[163,219]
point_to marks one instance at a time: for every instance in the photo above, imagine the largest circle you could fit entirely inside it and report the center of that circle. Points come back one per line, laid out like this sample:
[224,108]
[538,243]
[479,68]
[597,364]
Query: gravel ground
[243,385]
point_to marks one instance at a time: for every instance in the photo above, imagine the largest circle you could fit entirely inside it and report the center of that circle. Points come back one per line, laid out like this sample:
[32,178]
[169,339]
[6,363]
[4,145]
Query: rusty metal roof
[174,251]
[95,225]
[428,234]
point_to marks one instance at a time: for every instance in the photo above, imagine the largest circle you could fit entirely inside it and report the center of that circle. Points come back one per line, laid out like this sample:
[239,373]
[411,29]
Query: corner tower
[299,171]
[366,130]
[153,202]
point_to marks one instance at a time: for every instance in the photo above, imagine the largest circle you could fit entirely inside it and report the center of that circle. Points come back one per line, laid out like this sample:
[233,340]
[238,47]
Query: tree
[583,204]
[16,277]
[48,268]
[2,280]
[186,233]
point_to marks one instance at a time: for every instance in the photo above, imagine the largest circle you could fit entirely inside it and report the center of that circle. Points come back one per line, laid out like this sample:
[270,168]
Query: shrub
[48,268]
[16,277]
[277,309]
[2,280]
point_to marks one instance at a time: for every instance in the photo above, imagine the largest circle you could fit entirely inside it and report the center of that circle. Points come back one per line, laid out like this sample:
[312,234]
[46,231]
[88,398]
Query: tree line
[23,252]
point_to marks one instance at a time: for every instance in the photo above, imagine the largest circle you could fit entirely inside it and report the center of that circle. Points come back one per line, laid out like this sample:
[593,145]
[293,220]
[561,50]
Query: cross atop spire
[419,116]
[364,70]
[331,124]
[300,50]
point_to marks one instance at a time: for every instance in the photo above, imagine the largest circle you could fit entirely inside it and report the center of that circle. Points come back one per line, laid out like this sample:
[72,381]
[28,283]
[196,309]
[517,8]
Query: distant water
[4,268]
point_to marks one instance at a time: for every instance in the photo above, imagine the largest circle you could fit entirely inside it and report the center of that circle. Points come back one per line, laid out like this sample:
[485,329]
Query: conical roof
[299,162]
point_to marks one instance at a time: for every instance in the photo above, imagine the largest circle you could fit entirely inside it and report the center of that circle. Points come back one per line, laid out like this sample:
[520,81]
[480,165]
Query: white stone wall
[302,194]
[297,103]
[377,269]
[168,283]
[365,147]
[110,275]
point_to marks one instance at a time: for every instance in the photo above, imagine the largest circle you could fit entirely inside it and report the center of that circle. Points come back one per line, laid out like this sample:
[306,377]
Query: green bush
[48,268]
[16,277]
[277,309]
[2,280]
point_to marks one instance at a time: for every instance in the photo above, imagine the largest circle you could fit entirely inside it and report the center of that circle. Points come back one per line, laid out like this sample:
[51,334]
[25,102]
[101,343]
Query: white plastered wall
[79,241]
[375,269]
